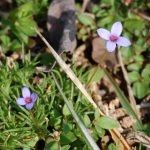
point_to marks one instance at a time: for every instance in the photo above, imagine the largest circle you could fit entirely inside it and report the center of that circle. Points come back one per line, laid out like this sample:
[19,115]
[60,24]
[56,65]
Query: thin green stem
[123,100]
[130,92]
[39,129]
[34,120]
[83,129]
[122,97]
[96,68]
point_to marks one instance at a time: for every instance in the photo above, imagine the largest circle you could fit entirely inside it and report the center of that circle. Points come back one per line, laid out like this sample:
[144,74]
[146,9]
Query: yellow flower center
[28,100]
[113,38]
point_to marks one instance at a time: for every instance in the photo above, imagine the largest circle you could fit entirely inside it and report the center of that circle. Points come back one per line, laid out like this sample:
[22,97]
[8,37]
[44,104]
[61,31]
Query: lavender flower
[113,37]
[28,98]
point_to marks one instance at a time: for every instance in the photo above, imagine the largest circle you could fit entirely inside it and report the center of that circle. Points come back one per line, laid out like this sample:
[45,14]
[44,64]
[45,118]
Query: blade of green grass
[83,129]
[123,100]
[79,85]
[69,72]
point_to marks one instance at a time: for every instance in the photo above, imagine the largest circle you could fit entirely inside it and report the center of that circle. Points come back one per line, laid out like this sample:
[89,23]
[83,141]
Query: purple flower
[113,37]
[28,98]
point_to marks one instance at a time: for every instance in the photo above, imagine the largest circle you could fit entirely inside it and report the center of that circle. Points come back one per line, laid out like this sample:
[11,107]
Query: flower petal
[26,92]
[122,41]
[103,33]
[116,28]
[20,101]
[34,97]
[29,106]
[110,46]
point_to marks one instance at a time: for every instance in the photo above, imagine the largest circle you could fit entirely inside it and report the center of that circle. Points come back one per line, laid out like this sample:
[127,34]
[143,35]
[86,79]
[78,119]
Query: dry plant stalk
[117,137]
[139,137]
[131,96]
[84,5]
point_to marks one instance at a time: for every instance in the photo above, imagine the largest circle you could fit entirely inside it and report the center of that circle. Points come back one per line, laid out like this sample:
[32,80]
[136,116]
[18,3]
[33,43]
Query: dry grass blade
[76,81]
[82,127]
[68,71]
[85,3]
[139,137]
[131,96]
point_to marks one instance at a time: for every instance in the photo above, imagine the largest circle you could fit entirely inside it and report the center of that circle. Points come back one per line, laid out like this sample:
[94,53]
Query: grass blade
[83,129]
[123,100]
[75,80]
[69,72]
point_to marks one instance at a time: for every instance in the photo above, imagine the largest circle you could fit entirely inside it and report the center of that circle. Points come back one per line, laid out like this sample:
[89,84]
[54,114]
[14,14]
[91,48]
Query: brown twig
[96,68]
[117,137]
[139,137]
[131,96]
[85,3]
[141,14]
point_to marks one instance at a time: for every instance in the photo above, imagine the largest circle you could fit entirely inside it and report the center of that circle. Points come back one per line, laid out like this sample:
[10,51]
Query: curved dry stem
[76,81]
[131,96]
[96,68]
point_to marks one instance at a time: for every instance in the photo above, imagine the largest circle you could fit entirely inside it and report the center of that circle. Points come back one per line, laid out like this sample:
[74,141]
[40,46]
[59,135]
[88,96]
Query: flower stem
[39,129]
[34,120]
[125,74]
[96,68]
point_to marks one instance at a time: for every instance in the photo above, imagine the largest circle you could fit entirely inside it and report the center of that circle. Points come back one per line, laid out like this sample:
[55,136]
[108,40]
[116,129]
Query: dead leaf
[148,41]
[61,25]
[113,104]
[98,51]
[31,43]
[118,113]
[104,141]
[139,137]
[127,2]
[127,122]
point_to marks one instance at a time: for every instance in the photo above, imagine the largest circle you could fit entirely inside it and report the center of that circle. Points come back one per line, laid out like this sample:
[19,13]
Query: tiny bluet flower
[113,38]
[28,99]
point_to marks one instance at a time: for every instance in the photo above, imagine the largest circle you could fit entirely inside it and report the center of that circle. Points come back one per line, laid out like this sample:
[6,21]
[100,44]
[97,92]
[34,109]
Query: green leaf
[123,100]
[5,40]
[26,9]
[53,145]
[97,76]
[95,9]
[101,12]
[140,45]
[67,138]
[134,25]
[107,123]
[26,25]
[96,114]
[67,127]
[15,45]
[46,59]
[112,147]
[134,67]
[66,111]
[21,36]
[139,58]
[146,73]
[55,118]
[86,19]
[66,147]
[133,76]
[100,131]
[95,133]
[147,128]
[83,31]
[140,89]
[105,21]
[87,121]
[127,53]
[108,1]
